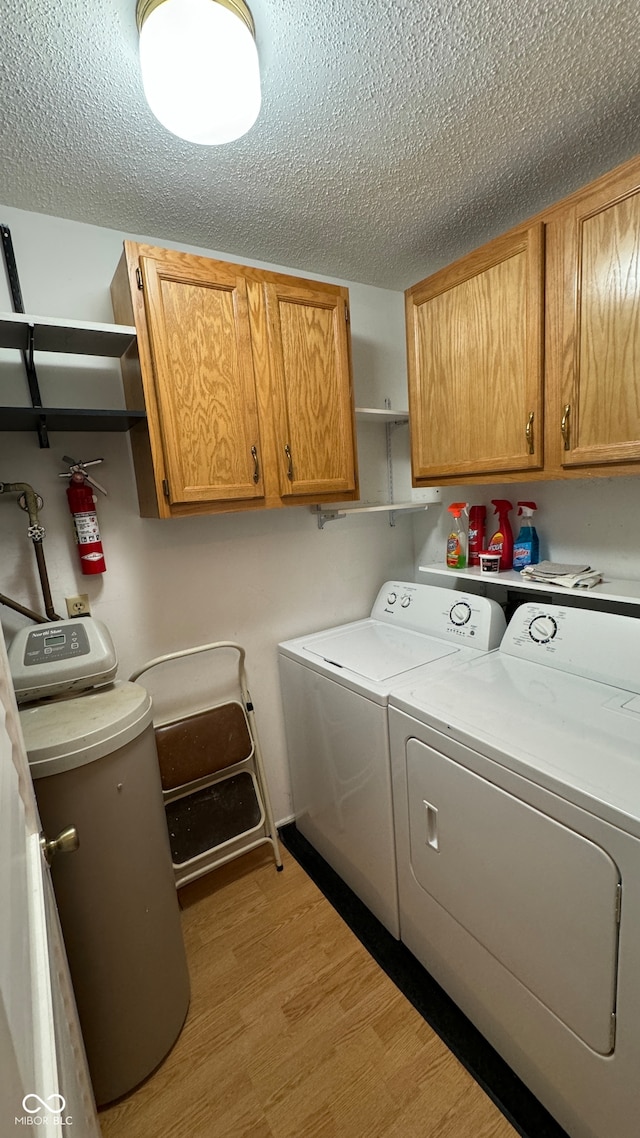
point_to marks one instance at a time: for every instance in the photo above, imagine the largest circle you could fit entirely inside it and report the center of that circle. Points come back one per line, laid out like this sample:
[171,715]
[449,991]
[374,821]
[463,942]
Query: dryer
[516,783]
[335,687]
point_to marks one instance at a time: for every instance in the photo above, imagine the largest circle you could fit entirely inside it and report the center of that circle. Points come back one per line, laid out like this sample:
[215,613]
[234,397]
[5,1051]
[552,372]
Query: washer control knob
[460,613]
[542,629]
[392,598]
[405,601]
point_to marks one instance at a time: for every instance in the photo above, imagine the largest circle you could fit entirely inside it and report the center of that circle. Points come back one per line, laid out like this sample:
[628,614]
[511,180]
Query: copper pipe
[36,533]
[23,610]
[44,581]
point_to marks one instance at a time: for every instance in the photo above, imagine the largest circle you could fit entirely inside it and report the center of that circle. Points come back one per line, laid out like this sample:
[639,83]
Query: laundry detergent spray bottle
[477,521]
[526,547]
[457,539]
[502,540]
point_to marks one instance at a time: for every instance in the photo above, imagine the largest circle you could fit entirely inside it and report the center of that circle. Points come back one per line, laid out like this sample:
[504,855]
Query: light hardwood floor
[294,1031]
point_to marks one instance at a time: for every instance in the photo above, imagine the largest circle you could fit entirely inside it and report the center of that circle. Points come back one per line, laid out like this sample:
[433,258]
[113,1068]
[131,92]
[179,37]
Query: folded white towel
[567,576]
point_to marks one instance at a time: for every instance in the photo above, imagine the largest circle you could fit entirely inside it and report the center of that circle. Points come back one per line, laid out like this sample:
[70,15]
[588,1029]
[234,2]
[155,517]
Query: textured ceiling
[394,135]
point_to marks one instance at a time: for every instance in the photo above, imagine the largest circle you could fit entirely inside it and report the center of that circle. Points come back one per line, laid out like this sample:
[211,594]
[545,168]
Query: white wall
[256,578]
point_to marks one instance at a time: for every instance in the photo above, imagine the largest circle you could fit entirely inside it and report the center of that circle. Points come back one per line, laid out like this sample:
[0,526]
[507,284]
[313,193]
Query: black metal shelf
[75,337]
[68,419]
[31,334]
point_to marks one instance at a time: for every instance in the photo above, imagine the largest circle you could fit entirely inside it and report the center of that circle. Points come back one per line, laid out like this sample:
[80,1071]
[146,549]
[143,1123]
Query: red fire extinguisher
[82,505]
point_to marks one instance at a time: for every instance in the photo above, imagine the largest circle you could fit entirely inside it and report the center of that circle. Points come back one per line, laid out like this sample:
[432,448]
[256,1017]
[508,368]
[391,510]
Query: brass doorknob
[66,842]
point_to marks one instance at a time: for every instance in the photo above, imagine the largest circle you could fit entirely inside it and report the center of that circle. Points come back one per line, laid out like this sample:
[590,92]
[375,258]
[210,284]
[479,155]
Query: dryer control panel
[475,621]
[596,645]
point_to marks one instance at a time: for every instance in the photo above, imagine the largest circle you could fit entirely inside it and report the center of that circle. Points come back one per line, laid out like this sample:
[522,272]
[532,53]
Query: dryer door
[540,897]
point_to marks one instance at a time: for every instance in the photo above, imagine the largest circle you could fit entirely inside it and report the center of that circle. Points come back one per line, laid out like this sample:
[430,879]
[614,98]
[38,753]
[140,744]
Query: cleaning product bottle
[477,517]
[502,540]
[457,539]
[525,548]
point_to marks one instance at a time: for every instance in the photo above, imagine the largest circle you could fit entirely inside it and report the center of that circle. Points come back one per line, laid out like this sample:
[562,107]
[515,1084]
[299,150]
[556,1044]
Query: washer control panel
[445,613]
[69,656]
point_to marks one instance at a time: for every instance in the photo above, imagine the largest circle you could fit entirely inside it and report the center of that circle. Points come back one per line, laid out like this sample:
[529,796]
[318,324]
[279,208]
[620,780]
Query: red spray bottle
[502,540]
[477,518]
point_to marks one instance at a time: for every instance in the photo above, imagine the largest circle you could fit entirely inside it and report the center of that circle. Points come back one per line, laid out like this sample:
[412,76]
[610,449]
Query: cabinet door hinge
[165,488]
[346,314]
[139,280]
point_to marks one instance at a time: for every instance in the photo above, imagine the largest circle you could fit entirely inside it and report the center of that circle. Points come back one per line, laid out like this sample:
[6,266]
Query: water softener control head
[60,658]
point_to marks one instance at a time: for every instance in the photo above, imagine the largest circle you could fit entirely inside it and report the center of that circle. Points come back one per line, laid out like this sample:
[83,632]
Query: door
[309,352]
[201,347]
[475,357]
[44,1079]
[540,897]
[593,298]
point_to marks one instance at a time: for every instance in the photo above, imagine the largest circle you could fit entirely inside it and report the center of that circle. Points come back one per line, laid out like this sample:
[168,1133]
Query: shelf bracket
[389,429]
[420,507]
[34,389]
[27,355]
[324,515]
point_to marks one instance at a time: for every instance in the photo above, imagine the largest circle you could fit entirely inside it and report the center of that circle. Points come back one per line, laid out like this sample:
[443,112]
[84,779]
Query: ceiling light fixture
[200,68]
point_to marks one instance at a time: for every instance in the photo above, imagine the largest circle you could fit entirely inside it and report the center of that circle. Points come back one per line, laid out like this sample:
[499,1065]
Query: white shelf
[77,337]
[384,415]
[332,512]
[626,592]
[347,508]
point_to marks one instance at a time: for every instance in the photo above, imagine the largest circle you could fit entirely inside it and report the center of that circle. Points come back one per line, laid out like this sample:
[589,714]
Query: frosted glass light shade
[200,68]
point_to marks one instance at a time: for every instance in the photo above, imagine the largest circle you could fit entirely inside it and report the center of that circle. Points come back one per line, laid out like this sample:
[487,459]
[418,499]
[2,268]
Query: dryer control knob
[405,601]
[392,598]
[460,613]
[542,629]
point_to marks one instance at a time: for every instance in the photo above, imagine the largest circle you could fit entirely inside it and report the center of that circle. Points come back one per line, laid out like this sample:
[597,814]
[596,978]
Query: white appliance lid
[378,651]
[576,737]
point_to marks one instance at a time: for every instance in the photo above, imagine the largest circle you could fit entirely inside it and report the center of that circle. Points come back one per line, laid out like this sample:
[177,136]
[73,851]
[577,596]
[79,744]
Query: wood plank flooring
[294,1031]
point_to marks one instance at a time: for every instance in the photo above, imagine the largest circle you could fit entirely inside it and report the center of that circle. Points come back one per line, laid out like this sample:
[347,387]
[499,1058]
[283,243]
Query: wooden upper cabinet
[475,339]
[309,351]
[593,337]
[200,343]
[246,379]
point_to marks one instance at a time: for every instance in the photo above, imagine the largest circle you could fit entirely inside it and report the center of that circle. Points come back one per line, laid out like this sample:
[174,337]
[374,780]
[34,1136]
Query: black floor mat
[496,1078]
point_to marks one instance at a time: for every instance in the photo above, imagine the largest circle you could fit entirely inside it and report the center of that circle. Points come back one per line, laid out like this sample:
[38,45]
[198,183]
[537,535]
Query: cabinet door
[314,416]
[475,359]
[200,341]
[593,297]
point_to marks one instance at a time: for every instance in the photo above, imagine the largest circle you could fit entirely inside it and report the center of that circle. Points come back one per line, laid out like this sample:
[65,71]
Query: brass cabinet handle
[529,433]
[564,426]
[287,451]
[66,842]
[256,464]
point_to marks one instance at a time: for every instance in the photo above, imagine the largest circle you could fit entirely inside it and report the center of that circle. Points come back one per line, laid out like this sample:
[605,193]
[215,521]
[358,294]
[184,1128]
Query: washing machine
[92,755]
[335,687]
[516,786]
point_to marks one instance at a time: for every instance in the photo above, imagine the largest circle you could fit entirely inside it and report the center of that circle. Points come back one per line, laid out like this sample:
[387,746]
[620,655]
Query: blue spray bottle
[526,547]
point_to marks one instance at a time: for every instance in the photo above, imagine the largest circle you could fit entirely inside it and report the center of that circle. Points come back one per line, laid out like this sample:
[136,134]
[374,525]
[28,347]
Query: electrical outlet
[78,606]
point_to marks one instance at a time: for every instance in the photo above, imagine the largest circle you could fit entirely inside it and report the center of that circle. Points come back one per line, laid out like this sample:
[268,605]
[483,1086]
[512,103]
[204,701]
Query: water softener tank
[94,764]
